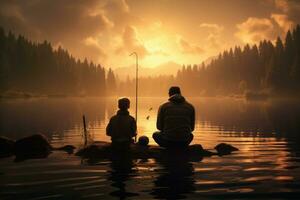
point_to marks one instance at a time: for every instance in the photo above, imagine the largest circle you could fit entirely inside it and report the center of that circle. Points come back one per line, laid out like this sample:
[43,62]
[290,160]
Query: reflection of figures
[176,178]
[121,166]
[121,171]
[121,128]
[175,120]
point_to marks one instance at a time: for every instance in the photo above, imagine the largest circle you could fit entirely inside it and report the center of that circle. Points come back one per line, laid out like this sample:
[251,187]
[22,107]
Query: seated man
[176,121]
[122,127]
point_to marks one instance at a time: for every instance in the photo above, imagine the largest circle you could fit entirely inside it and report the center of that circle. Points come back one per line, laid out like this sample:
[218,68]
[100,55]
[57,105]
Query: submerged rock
[38,146]
[6,147]
[67,148]
[104,150]
[98,149]
[225,149]
[34,146]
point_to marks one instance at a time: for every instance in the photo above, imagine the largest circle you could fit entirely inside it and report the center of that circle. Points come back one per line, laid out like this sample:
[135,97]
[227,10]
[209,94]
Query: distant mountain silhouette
[168,68]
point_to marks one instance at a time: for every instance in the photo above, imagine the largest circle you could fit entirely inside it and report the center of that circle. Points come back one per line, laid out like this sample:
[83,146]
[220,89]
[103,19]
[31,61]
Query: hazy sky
[183,31]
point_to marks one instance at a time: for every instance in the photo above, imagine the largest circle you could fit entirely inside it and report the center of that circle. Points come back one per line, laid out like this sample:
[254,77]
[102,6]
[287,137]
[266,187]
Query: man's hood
[177,98]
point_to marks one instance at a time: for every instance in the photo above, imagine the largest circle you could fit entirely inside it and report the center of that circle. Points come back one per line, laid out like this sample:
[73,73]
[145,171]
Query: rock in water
[197,150]
[67,148]
[225,149]
[35,146]
[6,147]
[105,150]
[99,149]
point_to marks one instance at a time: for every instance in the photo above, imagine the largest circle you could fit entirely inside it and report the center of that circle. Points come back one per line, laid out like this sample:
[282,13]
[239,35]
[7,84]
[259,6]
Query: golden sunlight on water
[266,165]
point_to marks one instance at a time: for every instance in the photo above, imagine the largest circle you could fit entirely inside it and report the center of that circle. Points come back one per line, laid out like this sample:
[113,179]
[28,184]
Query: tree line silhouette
[263,67]
[274,68]
[37,68]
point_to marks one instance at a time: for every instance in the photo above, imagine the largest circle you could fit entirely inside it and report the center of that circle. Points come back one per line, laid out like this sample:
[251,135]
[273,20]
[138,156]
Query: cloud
[66,22]
[91,46]
[118,11]
[283,22]
[282,4]
[255,29]
[159,52]
[212,27]
[82,27]
[291,8]
[214,31]
[156,25]
[56,19]
[117,5]
[188,48]
[214,41]
[280,21]
[130,42]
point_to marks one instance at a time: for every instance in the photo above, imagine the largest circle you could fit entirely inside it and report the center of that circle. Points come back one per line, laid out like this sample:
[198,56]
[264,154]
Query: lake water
[266,167]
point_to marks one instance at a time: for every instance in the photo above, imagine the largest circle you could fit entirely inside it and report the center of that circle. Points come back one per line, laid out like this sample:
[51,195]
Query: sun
[159,51]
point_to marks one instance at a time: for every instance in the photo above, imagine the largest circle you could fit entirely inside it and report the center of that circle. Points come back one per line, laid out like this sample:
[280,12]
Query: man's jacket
[176,118]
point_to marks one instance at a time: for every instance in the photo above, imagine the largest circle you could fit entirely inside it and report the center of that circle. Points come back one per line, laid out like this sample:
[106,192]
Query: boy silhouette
[122,126]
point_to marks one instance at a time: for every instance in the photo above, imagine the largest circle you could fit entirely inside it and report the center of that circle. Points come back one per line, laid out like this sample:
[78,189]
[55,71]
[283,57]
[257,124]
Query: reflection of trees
[253,119]
[175,180]
[112,107]
[233,115]
[285,117]
[24,117]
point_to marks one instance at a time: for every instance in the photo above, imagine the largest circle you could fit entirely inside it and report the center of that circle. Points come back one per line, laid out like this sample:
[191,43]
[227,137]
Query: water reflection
[281,116]
[122,169]
[267,134]
[285,118]
[175,180]
[22,117]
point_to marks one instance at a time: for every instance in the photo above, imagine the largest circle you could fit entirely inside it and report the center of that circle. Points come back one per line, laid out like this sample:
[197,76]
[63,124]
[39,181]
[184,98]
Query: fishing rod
[136,86]
[85,132]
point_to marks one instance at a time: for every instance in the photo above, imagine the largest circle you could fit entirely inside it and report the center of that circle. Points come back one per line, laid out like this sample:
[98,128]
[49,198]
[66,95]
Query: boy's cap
[123,103]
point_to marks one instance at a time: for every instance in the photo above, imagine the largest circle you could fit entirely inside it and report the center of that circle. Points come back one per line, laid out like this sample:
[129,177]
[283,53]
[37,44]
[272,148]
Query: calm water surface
[266,167]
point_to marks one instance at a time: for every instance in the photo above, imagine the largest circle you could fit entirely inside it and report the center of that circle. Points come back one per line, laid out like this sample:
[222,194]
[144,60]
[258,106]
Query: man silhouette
[175,120]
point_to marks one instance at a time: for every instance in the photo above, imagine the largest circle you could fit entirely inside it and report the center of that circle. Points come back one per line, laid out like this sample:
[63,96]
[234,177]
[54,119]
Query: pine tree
[36,67]
[111,83]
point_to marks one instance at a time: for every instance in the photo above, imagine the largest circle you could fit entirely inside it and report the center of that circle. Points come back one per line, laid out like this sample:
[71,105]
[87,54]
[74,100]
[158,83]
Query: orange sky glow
[182,31]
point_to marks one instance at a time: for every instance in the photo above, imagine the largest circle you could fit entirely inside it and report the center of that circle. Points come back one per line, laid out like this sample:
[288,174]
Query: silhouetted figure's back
[122,127]
[175,120]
